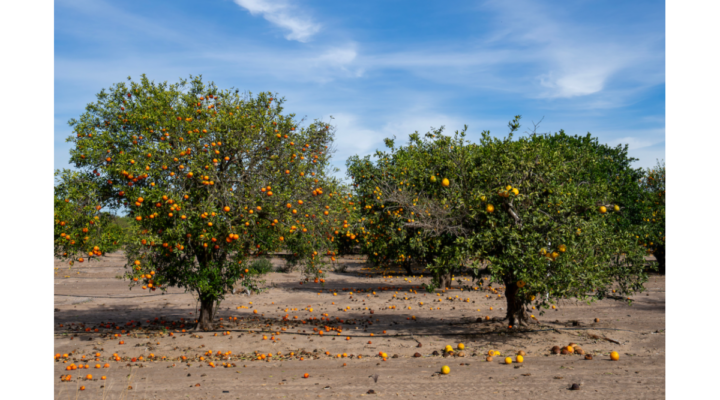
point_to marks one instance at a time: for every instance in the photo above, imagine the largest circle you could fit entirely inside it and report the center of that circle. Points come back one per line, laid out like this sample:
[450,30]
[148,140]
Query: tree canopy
[541,212]
[211,178]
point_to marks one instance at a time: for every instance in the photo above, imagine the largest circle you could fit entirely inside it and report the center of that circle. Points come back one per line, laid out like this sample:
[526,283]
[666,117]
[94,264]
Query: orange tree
[82,231]
[389,234]
[535,208]
[652,232]
[210,179]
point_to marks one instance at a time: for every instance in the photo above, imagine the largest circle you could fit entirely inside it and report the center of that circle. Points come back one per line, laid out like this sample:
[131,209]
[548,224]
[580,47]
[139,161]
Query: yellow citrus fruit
[490,208]
[448,348]
[603,210]
[445,182]
[508,360]
[614,356]
[432,178]
[515,191]
[445,370]
[617,207]
[461,346]
[519,359]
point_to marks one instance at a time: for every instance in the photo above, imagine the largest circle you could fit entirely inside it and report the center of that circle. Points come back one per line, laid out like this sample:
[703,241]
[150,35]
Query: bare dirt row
[361,314]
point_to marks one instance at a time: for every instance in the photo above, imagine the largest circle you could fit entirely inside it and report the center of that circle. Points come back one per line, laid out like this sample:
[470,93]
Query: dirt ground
[377,316]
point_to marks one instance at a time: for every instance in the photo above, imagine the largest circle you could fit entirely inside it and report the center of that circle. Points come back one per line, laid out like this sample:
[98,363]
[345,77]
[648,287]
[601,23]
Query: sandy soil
[88,296]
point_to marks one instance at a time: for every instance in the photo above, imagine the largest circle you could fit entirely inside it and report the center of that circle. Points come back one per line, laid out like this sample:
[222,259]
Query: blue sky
[384,68]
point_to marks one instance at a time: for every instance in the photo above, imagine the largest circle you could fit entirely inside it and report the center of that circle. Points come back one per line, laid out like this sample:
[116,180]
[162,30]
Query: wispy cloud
[578,59]
[283,15]
[385,74]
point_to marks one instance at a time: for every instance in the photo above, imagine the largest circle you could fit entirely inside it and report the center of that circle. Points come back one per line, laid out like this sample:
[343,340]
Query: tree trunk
[445,281]
[516,314]
[408,267]
[206,314]
[660,257]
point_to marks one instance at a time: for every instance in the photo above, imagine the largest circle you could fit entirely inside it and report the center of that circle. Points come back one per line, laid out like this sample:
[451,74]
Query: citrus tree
[389,233]
[81,231]
[211,178]
[535,209]
[651,235]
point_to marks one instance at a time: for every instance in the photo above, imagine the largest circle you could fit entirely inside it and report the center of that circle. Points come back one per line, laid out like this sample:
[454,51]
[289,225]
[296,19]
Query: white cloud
[640,140]
[577,60]
[580,83]
[283,15]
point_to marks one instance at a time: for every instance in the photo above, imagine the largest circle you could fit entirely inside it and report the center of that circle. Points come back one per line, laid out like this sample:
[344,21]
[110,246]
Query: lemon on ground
[614,356]
[461,346]
[445,370]
[519,359]
[508,360]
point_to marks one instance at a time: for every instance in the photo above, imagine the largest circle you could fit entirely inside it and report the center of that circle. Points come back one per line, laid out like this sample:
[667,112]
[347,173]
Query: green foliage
[210,179]
[530,207]
[429,287]
[260,266]
[82,231]
[390,236]
[651,234]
